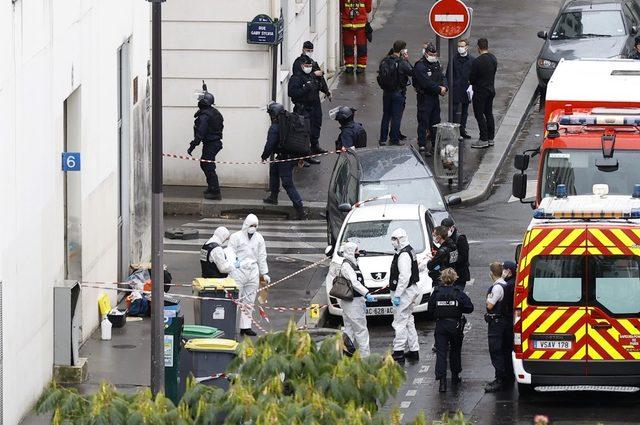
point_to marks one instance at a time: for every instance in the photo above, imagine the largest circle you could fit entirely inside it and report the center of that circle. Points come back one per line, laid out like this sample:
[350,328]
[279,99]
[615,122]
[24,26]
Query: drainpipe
[333,35]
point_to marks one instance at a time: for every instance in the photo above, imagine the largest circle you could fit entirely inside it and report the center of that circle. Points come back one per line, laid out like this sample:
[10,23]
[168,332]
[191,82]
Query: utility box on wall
[67,333]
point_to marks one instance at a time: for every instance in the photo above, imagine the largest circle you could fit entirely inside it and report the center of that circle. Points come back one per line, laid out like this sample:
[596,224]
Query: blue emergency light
[636,191]
[561,191]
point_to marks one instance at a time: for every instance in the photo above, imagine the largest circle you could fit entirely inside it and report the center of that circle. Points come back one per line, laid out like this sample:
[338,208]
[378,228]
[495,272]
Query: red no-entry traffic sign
[449,18]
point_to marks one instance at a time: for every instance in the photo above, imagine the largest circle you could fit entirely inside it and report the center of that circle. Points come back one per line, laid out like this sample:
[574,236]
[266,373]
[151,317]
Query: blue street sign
[264,30]
[70,161]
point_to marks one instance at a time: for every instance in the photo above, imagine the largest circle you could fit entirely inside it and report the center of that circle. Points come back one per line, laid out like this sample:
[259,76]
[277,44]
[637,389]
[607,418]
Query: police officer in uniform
[462,246]
[449,303]
[280,171]
[213,260]
[352,133]
[403,279]
[207,129]
[444,256]
[430,84]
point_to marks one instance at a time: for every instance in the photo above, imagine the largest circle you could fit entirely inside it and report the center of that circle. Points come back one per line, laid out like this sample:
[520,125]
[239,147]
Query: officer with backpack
[280,171]
[304,89]
[430,84]
[352,134]
[207,129]
[500,320]
[448,304]
[393,78]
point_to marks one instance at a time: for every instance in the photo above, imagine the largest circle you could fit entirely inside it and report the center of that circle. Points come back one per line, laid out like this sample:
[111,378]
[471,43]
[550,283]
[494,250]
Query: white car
[370,227]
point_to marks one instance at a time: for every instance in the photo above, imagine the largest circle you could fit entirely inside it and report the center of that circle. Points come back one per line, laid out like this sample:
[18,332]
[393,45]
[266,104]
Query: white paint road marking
[418,381]
[405,404]
[424,369]
[411,393]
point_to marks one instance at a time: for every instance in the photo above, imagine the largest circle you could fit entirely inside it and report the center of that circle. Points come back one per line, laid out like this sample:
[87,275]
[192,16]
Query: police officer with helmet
[207,129]
[445,253]
[213,260]
[280,171]
[352,134]
[461,264]
[448,304]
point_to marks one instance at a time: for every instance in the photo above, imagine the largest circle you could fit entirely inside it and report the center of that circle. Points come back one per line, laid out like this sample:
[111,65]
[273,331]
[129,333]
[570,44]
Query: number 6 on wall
[70,161]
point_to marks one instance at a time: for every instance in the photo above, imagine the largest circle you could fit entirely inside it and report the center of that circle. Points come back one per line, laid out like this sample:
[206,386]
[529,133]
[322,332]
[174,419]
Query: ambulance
[577,294]
[592,130]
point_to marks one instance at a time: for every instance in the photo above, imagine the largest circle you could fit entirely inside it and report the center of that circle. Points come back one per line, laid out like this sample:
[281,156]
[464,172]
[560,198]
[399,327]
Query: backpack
[294,134]
[361,137]
[388,78]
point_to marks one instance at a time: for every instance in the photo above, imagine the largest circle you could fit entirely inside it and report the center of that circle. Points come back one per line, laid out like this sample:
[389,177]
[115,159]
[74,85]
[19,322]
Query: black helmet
[342,113]
[206,99]
[275,108]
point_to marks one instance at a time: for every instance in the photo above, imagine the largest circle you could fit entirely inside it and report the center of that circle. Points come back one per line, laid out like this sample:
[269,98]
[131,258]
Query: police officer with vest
[207,129]
[445,254]
[304,89]
[352,134]
[213,260]
[403,279]
[462,247]
[448,304]
[280,171]
[430,84]
[500,323]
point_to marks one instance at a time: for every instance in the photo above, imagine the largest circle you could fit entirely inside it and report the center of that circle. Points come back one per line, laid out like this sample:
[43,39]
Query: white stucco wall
[207,41]
[51,48]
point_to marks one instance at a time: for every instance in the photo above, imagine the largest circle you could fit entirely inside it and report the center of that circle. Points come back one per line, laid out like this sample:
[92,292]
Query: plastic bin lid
[212,344]
[204,283]
[199,331]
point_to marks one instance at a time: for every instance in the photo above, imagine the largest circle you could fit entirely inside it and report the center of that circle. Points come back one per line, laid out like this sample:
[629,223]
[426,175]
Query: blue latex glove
[396,301]
[237,263]
[370,298]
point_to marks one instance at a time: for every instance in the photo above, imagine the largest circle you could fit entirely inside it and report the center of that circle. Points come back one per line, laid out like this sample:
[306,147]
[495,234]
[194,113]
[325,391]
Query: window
[556,280]
[352,190]
[342,175]
[409,191]
[628,15]
[589,23]
[616,284]
[312,15]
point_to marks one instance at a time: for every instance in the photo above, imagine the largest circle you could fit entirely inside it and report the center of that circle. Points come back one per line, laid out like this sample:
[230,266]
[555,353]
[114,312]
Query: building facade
[208,41]
[73,78]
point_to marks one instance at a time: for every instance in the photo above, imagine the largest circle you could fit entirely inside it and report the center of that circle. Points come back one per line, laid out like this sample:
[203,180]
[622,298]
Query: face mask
[307,70]
[506,273]
[308,54]
[450,232]
[436,243]
[251,230]
[462,51]
[432,59]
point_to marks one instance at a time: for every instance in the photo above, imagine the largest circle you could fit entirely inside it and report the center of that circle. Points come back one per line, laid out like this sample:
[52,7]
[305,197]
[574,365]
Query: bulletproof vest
[359,276]
[434,72]
[499,307]
[447,304]
[214,130]
[394,273]
[209,268]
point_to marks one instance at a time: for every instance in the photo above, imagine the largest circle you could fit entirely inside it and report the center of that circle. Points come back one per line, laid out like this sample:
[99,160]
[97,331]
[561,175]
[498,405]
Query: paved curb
[481,183]
[306,320]
[208,208]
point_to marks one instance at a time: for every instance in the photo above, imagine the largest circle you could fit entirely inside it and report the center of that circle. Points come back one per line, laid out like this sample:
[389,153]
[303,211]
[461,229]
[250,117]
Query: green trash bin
[205,359]
[172,343]
[190,332]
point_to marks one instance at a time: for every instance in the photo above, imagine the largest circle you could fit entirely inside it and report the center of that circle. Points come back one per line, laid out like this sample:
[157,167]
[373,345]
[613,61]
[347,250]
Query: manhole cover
[124,346]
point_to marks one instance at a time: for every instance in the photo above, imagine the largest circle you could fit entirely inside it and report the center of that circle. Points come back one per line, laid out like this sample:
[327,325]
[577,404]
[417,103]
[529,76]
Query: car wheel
[333,321]
[525,390]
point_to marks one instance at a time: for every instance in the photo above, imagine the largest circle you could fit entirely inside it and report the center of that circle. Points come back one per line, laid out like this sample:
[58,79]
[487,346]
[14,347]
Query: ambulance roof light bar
[599,120]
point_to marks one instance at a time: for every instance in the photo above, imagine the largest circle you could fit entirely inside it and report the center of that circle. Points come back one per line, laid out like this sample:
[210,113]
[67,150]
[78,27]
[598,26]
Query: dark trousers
[500,336]
[283,172]
[393,103]
[448,342]
[483,111]
[460,115]
[209,152]
[313,113]
[428,117]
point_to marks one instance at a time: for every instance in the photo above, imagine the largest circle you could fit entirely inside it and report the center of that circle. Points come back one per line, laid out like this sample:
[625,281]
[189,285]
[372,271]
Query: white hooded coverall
[251,251]
[403,323]
[354,312]
[217,255]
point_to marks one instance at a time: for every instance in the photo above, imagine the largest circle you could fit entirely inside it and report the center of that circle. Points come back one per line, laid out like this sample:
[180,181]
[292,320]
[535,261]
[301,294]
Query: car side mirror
[607,165]
[345,207]
[453,200]
[328,251]
[519,187]
[543,35]
[634,30]
[518,251]
[521,162]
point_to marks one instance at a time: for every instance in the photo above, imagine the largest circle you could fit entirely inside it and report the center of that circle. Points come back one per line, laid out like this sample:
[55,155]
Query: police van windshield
[577,170]
[589,23]
[409,191]
[374,237]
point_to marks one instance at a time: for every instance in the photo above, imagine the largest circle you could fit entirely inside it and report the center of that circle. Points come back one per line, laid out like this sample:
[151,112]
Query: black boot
[272,199]
[359,70]
[214,196]
[317,150]
[312,161]
[301,214]
[456,379]
[443,385]
[412,356]
[349,70]
[248,332]
[493,386]
[398,356]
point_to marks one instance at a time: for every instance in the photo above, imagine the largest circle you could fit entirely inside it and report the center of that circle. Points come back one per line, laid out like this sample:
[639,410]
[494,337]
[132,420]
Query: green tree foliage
[282,378]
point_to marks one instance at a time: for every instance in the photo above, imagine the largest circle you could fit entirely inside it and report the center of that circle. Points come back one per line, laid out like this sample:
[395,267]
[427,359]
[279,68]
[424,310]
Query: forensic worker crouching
[448,304]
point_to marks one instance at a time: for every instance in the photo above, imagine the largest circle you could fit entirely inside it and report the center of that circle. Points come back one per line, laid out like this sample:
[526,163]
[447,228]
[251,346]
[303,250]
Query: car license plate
[379,311]
[552,345]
